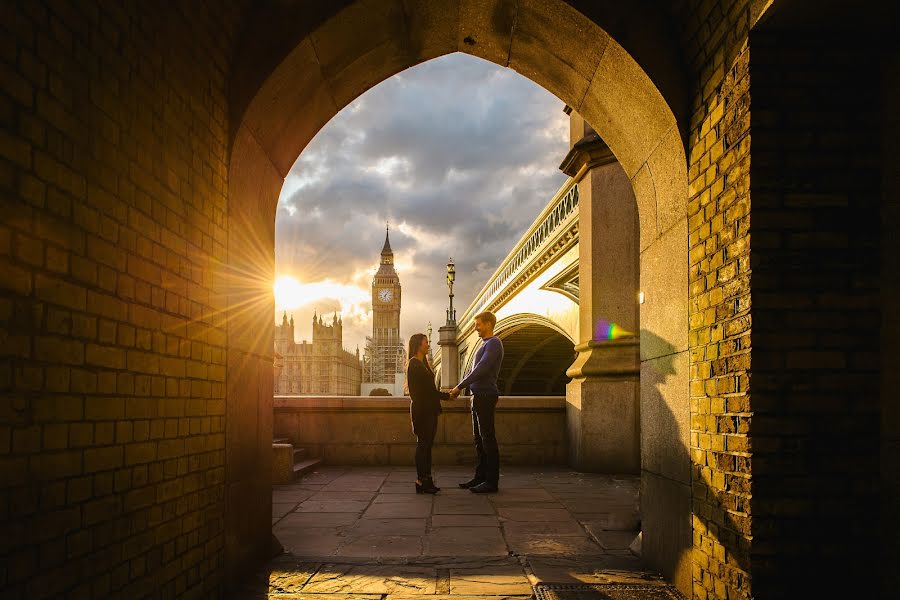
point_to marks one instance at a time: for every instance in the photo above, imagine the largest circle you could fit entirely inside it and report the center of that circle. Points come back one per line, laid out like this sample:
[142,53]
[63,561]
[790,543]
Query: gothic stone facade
[320,367]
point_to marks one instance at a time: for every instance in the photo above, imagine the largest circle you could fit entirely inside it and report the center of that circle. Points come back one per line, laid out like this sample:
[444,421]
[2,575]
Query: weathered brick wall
[113,177]
[816,185]
[714,37]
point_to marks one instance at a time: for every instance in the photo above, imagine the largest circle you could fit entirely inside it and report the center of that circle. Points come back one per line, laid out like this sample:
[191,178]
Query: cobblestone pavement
[363,532]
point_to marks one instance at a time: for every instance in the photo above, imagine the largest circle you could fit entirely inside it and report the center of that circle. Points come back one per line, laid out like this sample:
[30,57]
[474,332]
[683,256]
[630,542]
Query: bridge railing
[557,212]
[365,430]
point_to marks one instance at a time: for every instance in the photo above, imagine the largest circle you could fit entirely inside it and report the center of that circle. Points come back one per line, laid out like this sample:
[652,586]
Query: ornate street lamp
[451,277]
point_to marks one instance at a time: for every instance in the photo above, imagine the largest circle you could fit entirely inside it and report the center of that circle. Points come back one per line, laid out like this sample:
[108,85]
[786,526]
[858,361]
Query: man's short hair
[487,317]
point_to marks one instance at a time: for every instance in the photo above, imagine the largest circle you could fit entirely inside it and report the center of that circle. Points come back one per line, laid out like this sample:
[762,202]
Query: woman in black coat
[425,406]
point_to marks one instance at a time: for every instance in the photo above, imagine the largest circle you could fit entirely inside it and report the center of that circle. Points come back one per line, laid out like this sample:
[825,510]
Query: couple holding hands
[425,406]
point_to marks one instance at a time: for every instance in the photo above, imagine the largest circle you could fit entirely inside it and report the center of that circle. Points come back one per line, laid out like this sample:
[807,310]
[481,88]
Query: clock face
[385,295]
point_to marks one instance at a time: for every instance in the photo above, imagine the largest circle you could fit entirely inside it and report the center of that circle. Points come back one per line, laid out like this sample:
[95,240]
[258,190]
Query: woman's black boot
[426,486]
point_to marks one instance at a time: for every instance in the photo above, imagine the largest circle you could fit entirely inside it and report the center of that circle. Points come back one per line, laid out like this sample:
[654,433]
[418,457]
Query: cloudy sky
[457,153]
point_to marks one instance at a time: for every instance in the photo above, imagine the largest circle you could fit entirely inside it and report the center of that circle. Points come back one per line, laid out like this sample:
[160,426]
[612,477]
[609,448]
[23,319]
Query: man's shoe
[471,483]
[484,488]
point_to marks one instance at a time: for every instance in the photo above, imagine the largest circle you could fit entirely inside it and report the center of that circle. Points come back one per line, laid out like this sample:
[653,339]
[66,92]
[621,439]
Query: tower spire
[387,240]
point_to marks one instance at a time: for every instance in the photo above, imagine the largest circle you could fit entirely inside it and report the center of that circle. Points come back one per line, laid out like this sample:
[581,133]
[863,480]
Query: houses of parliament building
[322,367]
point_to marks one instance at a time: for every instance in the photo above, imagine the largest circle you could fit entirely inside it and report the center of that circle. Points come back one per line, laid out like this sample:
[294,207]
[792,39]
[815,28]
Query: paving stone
[395,488]
[351,483]
[376,546]
[565,570]
[554,545]
[308,542]
[616,520]
[453,597]
[523,528]
[326,506]
[533,515]
[327,597]
[408,497]
[453,491]
[397,510]
[521,495]
[323,475]
[293,495]
[389,527]
[464,521]
[401,477]
[489,581]
[282,508]
[291,578]
[514,483]
[469,504]
[468,536]
[326,496]
[384,579]
[612,540]
[457,541]
[318,520]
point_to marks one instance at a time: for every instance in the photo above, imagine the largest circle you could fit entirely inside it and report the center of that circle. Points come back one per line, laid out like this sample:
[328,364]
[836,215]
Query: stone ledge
[401,404]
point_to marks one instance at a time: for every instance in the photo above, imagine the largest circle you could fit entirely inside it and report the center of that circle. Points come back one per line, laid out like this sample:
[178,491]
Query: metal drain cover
[605,591]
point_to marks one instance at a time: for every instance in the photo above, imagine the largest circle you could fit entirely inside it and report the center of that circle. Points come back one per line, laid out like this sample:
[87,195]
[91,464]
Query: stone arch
[298,66]
[509,325]
[537,346]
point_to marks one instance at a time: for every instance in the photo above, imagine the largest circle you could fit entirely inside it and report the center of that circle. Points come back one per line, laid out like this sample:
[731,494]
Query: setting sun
[290,294]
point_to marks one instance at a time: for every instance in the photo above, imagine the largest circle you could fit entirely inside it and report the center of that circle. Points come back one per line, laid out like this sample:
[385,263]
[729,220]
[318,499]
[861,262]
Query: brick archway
[336,57]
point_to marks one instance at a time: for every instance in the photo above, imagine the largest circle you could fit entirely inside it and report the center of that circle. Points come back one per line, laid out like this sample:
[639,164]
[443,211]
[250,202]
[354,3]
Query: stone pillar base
[282,463]
[603,407]
[449,356]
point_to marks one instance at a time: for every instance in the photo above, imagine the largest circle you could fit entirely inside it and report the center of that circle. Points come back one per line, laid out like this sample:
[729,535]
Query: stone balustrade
[354,430]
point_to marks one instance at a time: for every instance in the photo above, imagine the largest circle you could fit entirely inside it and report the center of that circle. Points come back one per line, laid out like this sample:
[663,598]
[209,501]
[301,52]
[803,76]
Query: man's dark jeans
[487,467]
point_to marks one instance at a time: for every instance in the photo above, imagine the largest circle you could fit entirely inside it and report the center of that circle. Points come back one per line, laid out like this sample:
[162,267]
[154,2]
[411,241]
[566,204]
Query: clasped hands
[454,393]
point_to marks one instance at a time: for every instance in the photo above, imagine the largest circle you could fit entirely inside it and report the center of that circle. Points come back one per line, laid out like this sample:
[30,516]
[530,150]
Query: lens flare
[607,330]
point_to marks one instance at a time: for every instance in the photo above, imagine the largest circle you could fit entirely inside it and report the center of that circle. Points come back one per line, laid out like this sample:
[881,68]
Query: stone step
[306,466]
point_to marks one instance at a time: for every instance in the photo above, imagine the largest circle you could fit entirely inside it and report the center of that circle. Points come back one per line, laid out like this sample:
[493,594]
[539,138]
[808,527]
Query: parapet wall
[354,430]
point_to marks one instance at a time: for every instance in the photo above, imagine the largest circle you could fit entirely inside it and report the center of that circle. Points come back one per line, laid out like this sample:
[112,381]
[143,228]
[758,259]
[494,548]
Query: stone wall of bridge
[366,431]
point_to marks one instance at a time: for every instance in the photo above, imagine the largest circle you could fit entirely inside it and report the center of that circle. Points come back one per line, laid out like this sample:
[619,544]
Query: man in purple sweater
[482,380]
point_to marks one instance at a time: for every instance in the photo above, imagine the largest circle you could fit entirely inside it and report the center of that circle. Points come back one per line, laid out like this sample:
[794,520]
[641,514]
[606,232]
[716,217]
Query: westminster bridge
[534,294]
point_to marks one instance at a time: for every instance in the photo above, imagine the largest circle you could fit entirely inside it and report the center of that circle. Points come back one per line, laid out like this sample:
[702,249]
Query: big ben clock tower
[386,295]
[385,356]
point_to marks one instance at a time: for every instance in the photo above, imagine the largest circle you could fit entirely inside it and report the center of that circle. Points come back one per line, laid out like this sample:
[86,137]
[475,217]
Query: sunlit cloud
[292,294]
[458,154]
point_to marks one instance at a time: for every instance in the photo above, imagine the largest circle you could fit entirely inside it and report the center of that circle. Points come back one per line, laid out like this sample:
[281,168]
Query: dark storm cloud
[459,154]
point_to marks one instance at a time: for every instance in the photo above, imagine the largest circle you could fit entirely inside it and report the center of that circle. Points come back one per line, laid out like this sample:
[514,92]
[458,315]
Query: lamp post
[451,277]
[447,341]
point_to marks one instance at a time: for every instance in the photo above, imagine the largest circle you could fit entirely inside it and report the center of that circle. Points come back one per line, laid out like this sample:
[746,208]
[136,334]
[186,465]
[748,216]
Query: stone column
[603,398]
[449,356]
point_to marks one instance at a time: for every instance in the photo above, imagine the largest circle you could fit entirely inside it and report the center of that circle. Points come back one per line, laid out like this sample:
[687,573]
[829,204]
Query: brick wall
[113,172]
[816,186]
[714,37]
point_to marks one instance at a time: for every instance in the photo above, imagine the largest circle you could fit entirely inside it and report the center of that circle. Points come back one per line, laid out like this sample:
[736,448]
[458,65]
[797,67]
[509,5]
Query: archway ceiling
[306,65]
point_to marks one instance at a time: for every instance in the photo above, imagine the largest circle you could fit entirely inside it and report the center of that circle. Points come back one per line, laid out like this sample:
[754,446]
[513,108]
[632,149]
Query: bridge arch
[537,353]
[299,64]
